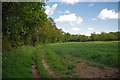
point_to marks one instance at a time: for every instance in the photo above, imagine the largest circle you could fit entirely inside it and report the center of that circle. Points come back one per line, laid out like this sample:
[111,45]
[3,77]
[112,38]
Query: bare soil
[36,76]
[86,71]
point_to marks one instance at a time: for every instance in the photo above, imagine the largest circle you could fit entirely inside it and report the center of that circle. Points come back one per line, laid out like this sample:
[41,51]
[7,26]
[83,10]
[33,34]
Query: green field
[102,52]
[60,55]
[62,58]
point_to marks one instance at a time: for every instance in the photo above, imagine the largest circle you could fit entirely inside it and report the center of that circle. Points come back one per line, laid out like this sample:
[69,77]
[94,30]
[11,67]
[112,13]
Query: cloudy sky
[78,17]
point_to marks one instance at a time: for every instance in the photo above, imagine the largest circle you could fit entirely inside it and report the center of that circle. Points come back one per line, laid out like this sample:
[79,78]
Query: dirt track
[36,76]
[86,71]
[82,69]
[47,67]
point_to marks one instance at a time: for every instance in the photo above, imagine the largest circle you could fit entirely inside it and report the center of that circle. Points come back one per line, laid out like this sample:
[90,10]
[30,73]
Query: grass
[57,63]
[38,56]
[100,52]
[17,63]
[61,57]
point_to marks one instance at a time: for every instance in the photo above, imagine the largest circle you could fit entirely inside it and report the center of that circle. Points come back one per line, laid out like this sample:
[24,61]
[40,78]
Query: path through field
[35,73]
[36,76]
[82,69]
[47,67]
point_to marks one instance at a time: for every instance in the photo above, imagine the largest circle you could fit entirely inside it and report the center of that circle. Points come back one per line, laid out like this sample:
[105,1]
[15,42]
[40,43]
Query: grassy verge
[38,56]
[59,64]
[17,63]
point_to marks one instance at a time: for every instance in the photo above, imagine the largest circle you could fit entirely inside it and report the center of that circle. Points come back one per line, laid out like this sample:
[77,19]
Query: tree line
[27,24]
[103,36]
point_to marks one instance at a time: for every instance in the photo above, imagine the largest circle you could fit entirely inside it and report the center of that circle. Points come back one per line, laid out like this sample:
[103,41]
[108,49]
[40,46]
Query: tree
[67,37]
[21,22]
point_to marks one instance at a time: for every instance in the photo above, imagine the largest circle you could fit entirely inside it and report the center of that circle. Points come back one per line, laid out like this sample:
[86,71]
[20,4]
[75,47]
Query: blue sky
[84,17]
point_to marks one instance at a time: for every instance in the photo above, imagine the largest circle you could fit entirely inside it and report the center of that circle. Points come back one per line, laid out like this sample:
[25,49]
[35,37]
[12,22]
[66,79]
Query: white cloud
[67,18]
[108,14]
[50,10]
[75,29]
[90,5]
[70,1]
[97,32]
[71,18]
[89,31]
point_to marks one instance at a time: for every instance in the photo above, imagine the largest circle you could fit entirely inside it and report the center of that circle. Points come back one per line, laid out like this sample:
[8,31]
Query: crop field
[67,60]
[64,57]
[101,52]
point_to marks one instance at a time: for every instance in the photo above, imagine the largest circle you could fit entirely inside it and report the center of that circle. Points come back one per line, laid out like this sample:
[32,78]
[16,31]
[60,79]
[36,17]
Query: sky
[85,18]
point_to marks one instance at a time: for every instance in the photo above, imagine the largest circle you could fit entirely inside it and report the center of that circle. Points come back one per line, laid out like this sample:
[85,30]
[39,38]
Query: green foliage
[27,24]
[21,22]
[6,46]
[67,37]
[50,33]
[112,36]
[17,63]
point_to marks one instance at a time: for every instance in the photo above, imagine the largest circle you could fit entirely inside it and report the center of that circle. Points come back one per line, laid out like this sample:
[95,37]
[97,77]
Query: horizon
[84,18]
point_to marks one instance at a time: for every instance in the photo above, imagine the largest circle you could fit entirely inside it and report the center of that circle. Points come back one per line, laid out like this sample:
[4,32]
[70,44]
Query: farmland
[64,60]
[40,40]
